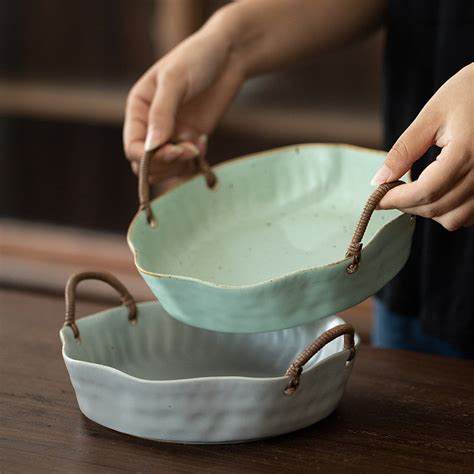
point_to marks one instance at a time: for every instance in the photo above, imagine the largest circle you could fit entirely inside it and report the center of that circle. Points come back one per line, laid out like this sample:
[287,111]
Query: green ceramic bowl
[265,249]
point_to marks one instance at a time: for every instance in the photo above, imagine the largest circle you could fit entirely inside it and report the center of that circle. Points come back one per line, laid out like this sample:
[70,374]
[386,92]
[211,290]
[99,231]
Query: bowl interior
[271,214]
[162,348]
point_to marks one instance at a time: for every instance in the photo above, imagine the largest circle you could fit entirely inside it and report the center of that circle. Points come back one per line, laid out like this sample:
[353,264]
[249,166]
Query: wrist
[231,27]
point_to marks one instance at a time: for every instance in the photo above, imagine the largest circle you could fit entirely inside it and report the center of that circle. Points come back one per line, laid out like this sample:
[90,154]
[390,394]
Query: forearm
[264,35]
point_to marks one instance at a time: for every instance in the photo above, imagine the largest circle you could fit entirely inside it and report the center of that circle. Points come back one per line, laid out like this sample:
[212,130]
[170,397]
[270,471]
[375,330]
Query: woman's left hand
[444,191]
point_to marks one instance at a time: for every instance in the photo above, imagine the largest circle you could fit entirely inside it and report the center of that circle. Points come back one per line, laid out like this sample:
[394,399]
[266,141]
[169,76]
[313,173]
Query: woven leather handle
[355,247]
[144,187]
[296,368]
[70,296]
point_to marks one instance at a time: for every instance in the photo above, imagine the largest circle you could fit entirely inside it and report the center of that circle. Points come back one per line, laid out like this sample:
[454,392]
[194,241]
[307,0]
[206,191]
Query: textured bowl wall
[265,250]
[163,380]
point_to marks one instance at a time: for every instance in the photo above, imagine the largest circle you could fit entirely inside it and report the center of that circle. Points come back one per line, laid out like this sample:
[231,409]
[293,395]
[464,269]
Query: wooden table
[402,412]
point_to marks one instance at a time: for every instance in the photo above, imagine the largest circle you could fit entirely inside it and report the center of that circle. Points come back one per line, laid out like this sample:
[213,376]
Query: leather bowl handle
[296,368]
[355,247]
[144,188]
[70,296]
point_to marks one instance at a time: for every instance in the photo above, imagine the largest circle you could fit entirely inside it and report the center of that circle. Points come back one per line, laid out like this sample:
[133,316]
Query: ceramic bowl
[265,249]
[164,380]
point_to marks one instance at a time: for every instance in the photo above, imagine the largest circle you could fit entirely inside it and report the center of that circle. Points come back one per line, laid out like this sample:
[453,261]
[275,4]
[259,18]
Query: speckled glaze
[161,379]
[265,250]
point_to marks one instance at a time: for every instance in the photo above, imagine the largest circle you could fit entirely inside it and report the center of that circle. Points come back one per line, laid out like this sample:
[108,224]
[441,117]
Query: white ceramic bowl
[164,380]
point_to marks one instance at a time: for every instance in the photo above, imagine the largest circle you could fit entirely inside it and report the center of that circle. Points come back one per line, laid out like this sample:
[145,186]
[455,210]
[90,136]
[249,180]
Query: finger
[191,151]
[435,181]
[462,216]
[159,172]
[170,91]
[161,158]
[462,192]
[202,144]
[181,151]
[197,142]
[134,139]
[411,145]
[186,134]
[136,116]
[166,155]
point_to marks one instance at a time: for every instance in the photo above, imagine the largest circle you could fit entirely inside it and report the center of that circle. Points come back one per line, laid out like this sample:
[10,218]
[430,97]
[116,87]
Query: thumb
[411,145]
[163,110]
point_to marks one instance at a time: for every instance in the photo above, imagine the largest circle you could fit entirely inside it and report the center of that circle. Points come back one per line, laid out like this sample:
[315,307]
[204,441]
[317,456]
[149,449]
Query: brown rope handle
[355,247]
[296,368]
[70,296]
[144,187]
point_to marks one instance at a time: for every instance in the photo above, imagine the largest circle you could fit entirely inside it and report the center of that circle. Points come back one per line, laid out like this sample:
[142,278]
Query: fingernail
[202,143]
[382,176]
[153,139]
[173,153]
[202,140]
[194,149]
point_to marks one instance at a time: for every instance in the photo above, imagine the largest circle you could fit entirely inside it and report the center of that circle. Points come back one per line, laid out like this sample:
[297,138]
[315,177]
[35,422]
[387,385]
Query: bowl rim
[274,279]
[212,378]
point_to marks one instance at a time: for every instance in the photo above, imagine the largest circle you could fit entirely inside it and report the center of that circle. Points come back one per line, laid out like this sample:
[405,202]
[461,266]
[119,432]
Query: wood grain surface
[402,412]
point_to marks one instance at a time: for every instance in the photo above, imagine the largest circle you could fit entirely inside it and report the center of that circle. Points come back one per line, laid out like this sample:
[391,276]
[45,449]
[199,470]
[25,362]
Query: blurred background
[67,192]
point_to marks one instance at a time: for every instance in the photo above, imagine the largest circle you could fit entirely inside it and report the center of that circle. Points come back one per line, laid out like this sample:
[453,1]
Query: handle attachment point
[144,186]
[355,247]
[296,368]
[204,167]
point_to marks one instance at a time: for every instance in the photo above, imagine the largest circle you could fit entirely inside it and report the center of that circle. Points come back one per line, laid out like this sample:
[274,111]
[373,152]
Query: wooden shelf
[100,104]
[41,257]
[306,125]
[57,101]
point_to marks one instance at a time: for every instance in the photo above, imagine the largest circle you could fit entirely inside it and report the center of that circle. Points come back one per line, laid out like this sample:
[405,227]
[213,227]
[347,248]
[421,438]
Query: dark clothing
[396,331]
[428,41]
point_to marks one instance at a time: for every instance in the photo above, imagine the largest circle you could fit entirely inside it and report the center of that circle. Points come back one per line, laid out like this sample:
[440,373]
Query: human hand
[180,99]
[444,191]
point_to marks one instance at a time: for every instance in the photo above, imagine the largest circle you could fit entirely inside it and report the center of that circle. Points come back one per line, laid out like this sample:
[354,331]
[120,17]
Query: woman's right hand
[182,96]
[179,100]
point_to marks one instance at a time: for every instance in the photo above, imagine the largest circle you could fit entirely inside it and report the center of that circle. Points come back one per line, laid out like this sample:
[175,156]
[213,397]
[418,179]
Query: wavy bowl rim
[214,378]
[211,284]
